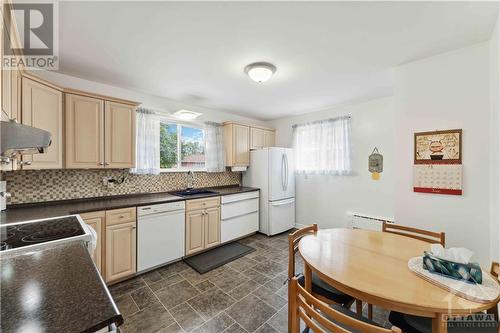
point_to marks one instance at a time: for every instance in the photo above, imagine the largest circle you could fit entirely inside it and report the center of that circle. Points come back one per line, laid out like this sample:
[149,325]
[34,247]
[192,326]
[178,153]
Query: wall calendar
[438,178]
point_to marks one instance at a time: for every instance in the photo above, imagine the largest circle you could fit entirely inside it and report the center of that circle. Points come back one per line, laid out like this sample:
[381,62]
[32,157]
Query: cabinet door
[16,101]
[269,139]
[96,221]
[120,251]
[256,138]
[241,145]
[195,231]
[7,93]
[42,108]
[84,132]
[120,135]
[212,227]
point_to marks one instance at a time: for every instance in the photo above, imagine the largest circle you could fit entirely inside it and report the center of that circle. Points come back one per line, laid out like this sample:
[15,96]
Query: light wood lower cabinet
[202,225]
[116,251]
[212,227]
[195,230]
[120,251]
[96,221]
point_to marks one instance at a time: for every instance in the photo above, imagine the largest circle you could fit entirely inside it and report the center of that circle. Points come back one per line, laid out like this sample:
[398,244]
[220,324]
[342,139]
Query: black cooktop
[15,236]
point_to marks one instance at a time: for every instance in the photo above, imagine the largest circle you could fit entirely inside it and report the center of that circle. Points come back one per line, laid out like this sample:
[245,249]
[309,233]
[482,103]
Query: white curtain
[214,148]
[323,147]
[147,142]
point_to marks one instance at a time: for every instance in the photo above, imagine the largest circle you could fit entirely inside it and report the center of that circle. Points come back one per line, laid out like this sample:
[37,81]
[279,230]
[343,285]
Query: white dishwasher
[160,234]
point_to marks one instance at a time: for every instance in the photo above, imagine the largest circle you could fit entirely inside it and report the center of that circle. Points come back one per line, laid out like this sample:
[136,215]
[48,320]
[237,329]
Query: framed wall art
[438,147]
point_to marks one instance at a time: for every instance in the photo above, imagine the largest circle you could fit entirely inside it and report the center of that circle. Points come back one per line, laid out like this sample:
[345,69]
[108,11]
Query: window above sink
[182,147]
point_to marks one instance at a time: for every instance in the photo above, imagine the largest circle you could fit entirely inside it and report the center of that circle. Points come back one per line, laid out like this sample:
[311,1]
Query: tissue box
[467,272]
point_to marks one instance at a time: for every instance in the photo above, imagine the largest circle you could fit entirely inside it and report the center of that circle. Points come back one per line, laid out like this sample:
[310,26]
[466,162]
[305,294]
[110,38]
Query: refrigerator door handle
[286,170]
[282,202]
[283,171]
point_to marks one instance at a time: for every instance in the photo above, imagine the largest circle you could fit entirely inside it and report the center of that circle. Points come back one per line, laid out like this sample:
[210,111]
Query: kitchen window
[182,147]
[323,147]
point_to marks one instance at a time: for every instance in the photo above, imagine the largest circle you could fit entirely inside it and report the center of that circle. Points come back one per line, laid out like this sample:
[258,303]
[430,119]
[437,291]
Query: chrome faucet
[190,180]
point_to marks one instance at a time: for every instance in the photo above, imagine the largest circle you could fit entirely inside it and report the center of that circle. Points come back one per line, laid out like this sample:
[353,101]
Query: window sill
[183,170]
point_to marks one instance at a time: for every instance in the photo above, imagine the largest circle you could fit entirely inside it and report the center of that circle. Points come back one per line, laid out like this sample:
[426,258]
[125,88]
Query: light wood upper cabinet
[195,228]
[119,135]
[202,224]
[239,139]
[120,251]
[42,107]
[84,132]
[99,134]
[269,138]
[96,221]
[261,138]
[212,227]
[237,144]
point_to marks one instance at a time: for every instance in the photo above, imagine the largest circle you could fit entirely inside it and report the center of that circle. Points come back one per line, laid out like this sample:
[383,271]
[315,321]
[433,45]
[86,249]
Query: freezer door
[277,174]
[281,216]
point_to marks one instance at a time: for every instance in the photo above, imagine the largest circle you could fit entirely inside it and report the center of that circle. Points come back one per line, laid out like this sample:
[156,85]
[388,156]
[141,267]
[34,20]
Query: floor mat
[217,257]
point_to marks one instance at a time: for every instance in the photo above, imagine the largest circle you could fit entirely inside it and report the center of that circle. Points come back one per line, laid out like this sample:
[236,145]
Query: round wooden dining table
[372,266]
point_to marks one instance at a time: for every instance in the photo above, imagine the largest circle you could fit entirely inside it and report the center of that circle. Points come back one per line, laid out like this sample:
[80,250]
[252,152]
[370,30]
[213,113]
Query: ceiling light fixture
[187,115]
[260,71]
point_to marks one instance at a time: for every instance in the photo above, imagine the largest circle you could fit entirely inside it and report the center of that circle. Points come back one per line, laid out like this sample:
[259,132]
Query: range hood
[22,139]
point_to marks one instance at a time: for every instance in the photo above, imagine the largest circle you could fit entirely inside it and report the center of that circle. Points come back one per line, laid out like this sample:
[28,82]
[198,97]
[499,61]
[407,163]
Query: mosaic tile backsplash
[27,186]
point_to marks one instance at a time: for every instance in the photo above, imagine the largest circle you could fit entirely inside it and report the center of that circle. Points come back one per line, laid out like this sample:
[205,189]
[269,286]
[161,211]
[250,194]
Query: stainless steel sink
[192,192]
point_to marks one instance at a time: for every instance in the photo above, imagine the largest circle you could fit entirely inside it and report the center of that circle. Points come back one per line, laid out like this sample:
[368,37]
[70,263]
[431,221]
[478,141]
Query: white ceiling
[327,53]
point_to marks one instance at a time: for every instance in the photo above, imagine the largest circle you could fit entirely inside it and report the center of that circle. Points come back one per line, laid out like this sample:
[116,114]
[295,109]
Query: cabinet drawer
[202,203]
[238,208]
[118,216]
[239,197]
[239,226]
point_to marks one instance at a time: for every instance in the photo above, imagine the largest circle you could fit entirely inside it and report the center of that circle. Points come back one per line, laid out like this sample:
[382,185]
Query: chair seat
[349,313]
[322,288]
[414,324]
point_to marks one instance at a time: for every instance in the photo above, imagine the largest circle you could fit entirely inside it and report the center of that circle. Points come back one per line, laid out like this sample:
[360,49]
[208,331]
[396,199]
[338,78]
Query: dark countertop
[54,289]
[25,212]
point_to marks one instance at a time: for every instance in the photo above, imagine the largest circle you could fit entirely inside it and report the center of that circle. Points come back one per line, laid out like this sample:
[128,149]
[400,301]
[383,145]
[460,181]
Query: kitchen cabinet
[195,228]
[99,133]
[121,245]
[261,138]
[84,132]
[119,135]
[237,144]
[96,221]
[239,215]
[120,251]
[202,224]
[42,107]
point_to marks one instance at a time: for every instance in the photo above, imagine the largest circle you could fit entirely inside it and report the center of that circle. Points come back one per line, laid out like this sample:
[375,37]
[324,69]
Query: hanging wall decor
[438,162]
[438,147]
[375,164]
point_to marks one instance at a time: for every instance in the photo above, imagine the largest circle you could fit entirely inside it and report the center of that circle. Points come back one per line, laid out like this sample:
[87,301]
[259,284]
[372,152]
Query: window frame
[179,125]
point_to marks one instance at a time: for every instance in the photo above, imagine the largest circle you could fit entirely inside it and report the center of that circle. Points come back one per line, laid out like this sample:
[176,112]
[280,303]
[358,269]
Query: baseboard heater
[367,222]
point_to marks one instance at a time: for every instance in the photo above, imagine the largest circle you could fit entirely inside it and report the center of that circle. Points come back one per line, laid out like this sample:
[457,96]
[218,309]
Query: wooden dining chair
[320,289]
[416,324]
[321,317]
[421,234]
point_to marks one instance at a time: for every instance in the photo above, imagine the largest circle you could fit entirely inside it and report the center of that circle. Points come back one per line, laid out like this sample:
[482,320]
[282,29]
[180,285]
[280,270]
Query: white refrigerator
[271,170]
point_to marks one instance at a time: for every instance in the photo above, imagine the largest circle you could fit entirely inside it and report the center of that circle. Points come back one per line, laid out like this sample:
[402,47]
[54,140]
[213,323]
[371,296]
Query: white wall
[325,199]
[447,91]
[495,142]
[157,103]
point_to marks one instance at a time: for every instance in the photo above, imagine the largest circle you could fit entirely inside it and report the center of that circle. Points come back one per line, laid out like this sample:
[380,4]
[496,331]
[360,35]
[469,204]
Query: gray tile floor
[246,295]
